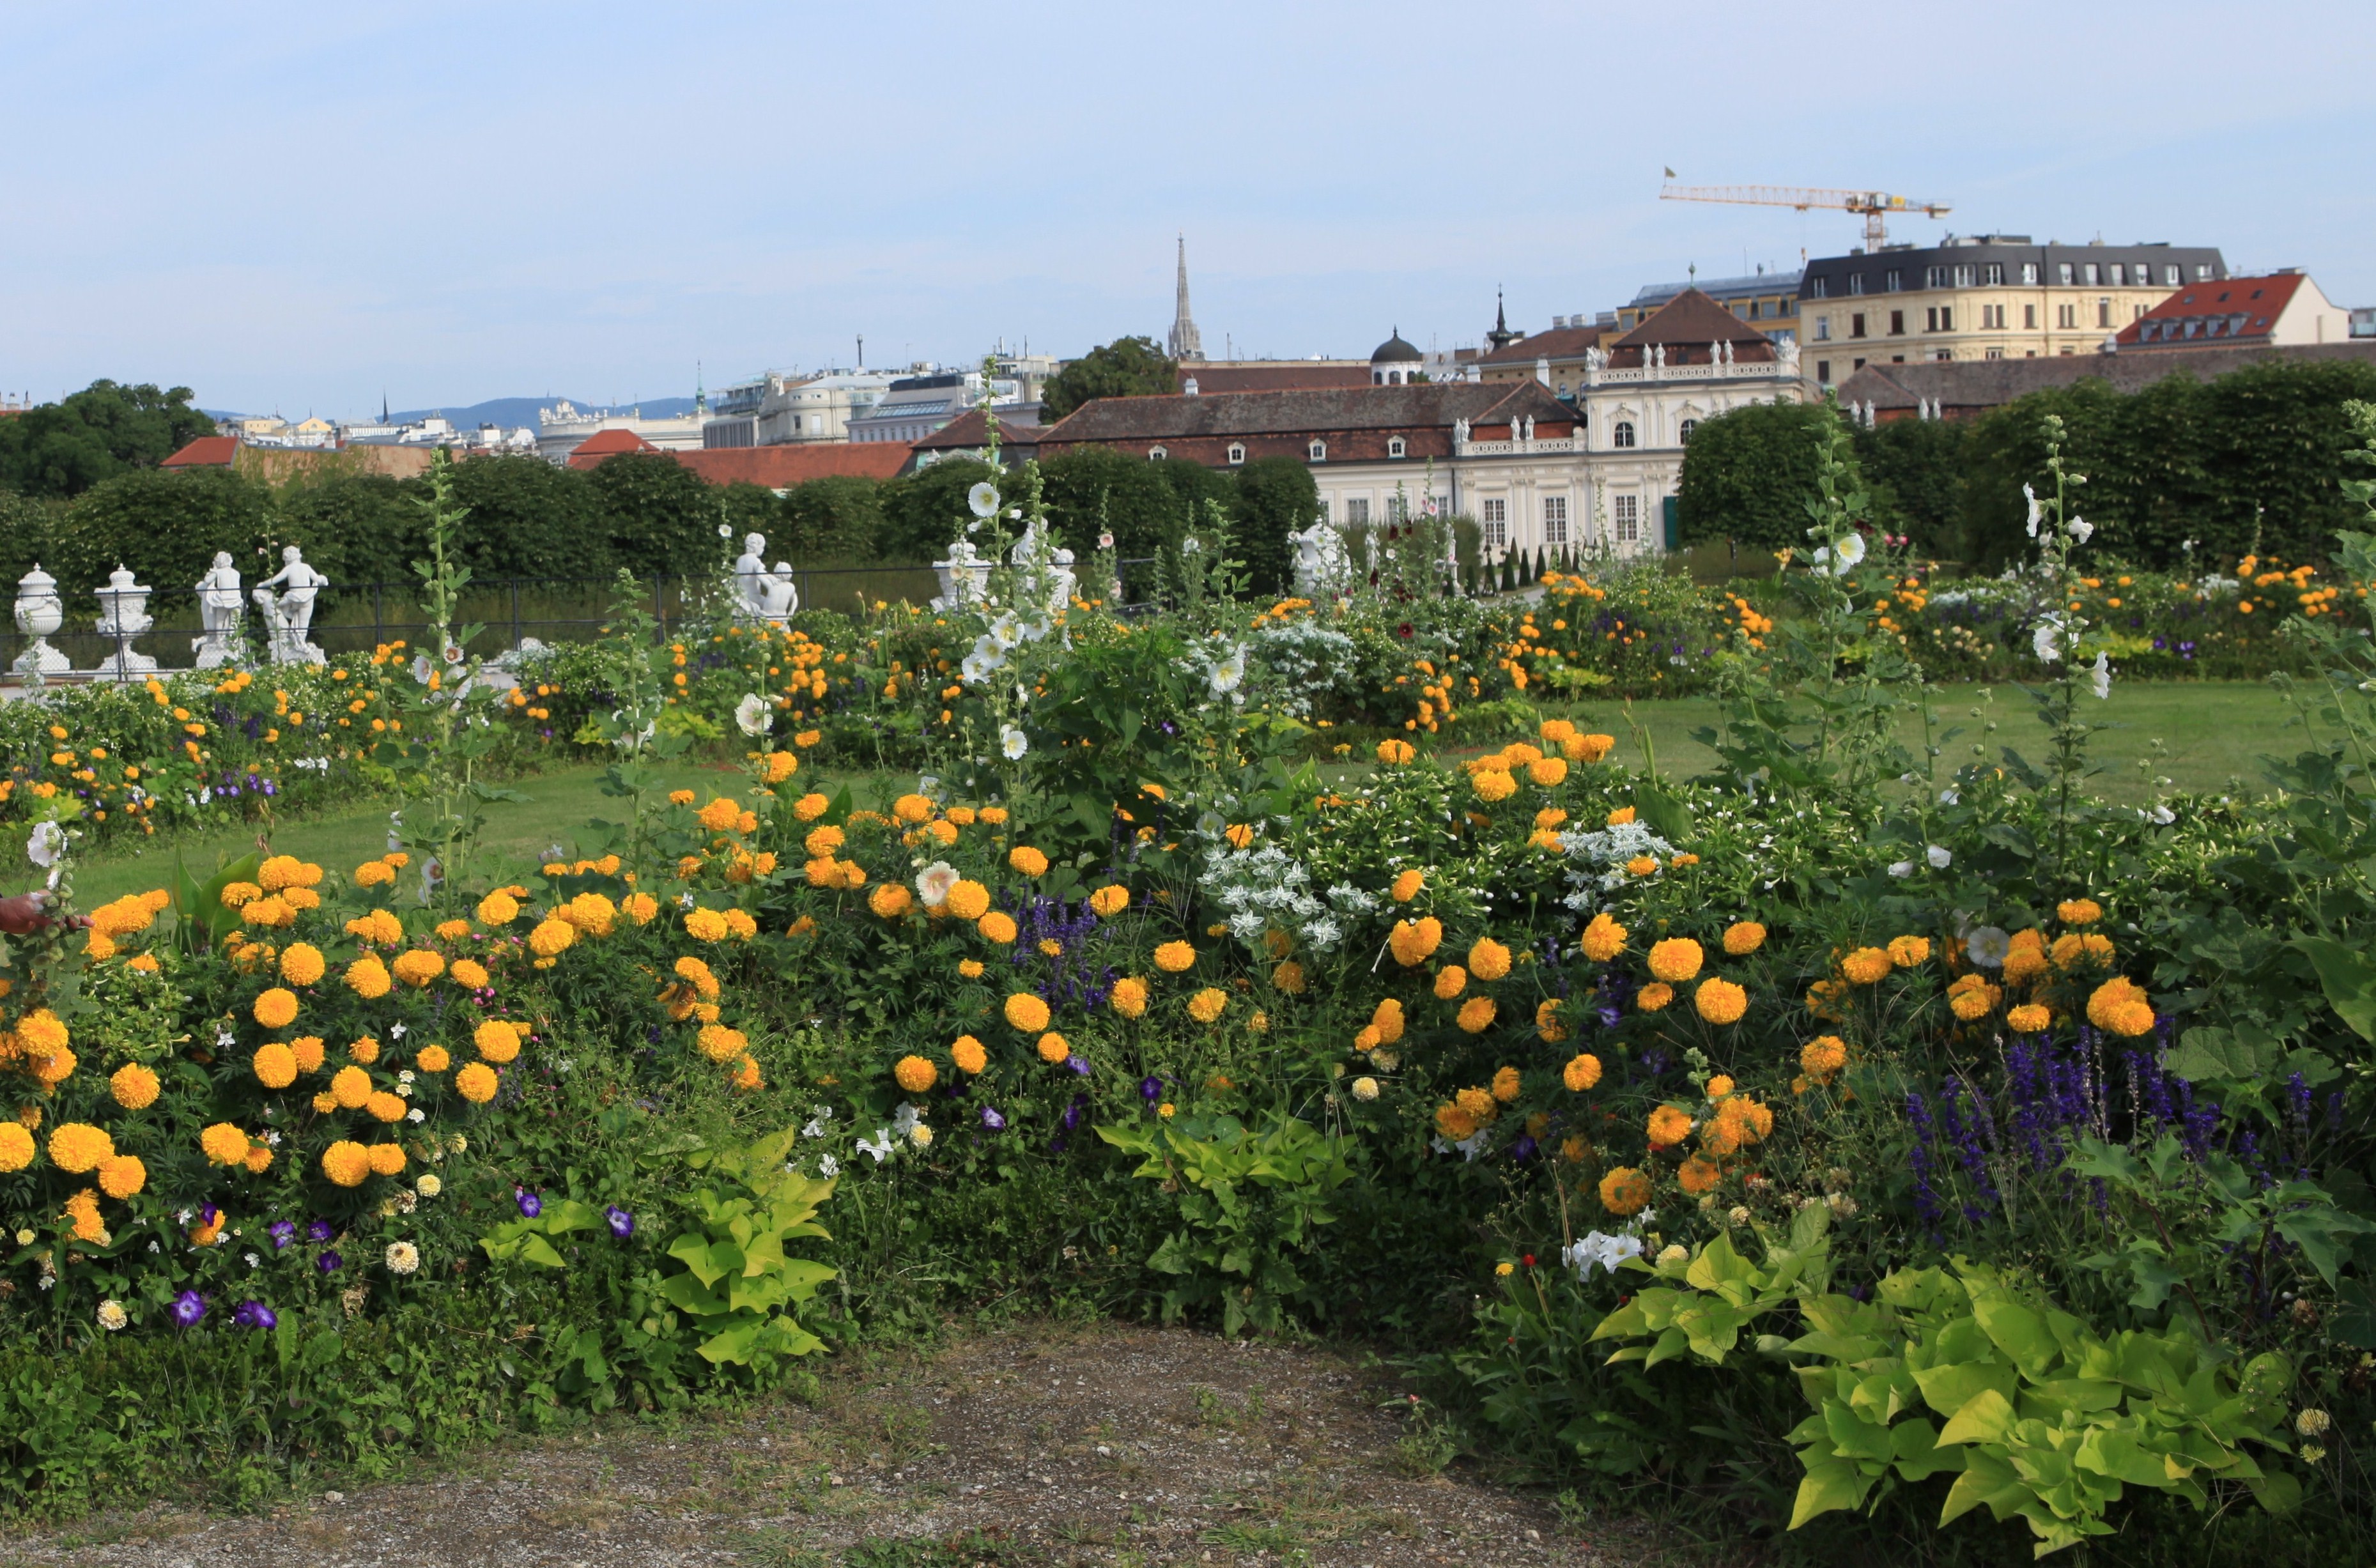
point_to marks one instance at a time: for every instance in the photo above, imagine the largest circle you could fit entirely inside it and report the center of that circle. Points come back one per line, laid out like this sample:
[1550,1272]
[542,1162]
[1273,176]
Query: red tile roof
[780,468]
[2214,314]
[1687,321]
[590,452]
[965,434]
[205,452]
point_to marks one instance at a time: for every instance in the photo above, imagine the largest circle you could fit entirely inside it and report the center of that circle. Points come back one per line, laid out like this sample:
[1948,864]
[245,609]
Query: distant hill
[511,412]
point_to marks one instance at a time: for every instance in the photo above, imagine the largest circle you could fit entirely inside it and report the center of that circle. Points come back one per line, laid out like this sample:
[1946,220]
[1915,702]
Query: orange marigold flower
[1655,996]
[1487,960]
[1408,883]
[1110,899]
[1676,959]
[1907,951]
[1823,1055]
[1174,957]
[302,963]
[1668,1125]
[1493,784]
[498,909]
[1209,1005]
[1054,1048]
[1412,942]
[1581,1073]
[2029,1018]
[497,1040]
[1603,939]
[914,1074]
[1720,1001]
[417,967]
[120,1176]
[135,1086]
[1026,1012]
[1866,966]
[1450,982]
[1547,1023]
[1698,1175]
[345,1163]
[2122,1007]
[1477,1014]
[476,1083]
[368,977]
[433,1059]
[1624,1192]
[276,1008]
[387,1159]
[2079,912]
[1395,752]
[968,1054]
[77,1147]
[274,1064]
[997,926]
[1027,860]
[890,900]
[1743,937]
[223,1143]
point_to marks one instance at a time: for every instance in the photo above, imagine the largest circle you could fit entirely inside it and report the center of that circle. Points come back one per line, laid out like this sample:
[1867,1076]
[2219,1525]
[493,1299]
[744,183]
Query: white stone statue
[779,597]
[290,615]
[1531,428]
[751,586]
[123,615]
[40,612]
[1789,355]
[1062,579]
[1459,433]
[219,607]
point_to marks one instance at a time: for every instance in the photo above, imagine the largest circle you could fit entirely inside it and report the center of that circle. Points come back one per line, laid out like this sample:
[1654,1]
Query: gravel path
[1039,1446]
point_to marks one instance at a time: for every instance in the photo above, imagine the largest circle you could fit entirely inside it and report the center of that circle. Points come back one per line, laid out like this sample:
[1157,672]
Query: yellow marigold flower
[1676,959]
[471,973]
[704,924]
[1493,784]
[969,967]
[1478,1103]
[1651,998]
[387,1159]
[890,900]
[591,913]
[274,1064]
[1506,1084]
[276,1008]
[1207,1005]
[721,814]
[1110,899]
[1289,978]
[385,1106]
[1907,951]
[1743,938]
[476,1083]
[368,977]
[498,909]
[1547,771]
[2122,1007]
[121,1176]
[1129,996]
[1547,1021]
[238,895]
[1697,1175]
[2079,912]
[1487,960]
[302,963]
[347,1163]
[306,1051]
[967,899]
[2029,1018]
[1719,1086]
[968,1054]
[1624,1192]
[456,930]
[1412,942]
[1668,1125]
[133,1087]
[350,1087]
[497,1040]
[1620,816]
[222,1144]
[912,808]
[1027,860]
[1408,883]
[810,807]
[913,1072]
[997,926]
[1586,748]
[1866,966]
[1173,958]
[1477,1014]
[365,1050]
[1054,1048]
[1720,1001]
[1972,1003]
[433,1059]
[1823,1055]
[279,872]
[1603,939]
[1395,752]
[553,937]
[823,842]
[720,1043]
[380,926]
[1450,982]
[77,1147]
[16,1147]
[417,967]
[1642,865]
[1026,1012]
[1454,1122]
[83,1209]
[1581,1073]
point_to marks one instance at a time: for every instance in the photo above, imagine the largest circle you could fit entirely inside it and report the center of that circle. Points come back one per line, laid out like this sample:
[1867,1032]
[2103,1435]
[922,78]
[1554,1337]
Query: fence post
[660,605]
[379,619]
[515,620]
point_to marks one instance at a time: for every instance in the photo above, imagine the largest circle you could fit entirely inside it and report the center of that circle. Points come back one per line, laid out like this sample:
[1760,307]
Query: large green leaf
[1829,1485]
[2349,977]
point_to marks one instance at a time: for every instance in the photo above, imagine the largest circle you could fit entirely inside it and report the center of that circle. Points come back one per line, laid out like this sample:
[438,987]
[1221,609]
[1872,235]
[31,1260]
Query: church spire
[1501,337]
[1184,345]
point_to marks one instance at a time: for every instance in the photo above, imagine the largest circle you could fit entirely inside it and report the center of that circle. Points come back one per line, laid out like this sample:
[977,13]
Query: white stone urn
[40,613]
[123,615]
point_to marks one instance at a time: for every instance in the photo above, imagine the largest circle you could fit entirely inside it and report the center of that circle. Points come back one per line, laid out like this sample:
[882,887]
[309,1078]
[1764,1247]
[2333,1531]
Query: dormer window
[1237,452]
[1318,451]
[1157,453]
[1394,446]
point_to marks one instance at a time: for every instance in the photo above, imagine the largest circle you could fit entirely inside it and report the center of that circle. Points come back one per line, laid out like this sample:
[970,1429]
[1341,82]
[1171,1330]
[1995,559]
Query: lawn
[2206,737]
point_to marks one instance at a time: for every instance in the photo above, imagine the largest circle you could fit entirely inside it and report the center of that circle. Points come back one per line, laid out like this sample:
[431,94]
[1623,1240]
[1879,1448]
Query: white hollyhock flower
[1012,741]
[47,842]
[983,500]
[1939,857]
[1850,552]
[1229,672]
[2047,640]
[2100,678]
[933,883]
[1901,868]
[2036,511]
[1988,946]
[2082,530]
[751,715]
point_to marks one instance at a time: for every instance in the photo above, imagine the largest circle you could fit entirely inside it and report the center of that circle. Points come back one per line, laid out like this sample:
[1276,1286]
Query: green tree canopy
[359,528]
[923,511]
[531,518]
[167,527]
[1093,490]
[838,518]
[106,429]
[1915,470]
[1275,496]
[660,517]
[1127,367]
[1749,474]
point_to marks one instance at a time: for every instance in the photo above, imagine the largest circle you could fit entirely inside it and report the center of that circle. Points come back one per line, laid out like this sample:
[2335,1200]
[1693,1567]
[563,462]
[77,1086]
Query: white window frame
[1157,453]
[1493,518]
[1621,435]
[1626,511]
[1395,447]
[1357,511]
[1237,453]
[1554,520]
[1684,431]
[1318,451]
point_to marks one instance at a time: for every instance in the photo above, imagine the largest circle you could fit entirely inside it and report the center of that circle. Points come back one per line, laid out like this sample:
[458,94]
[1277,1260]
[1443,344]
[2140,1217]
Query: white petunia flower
[1901,868]
[2082,530]
[828,1167]
[1987,946]
[47,842]
[751,716]
[1012,741]
[1938,856]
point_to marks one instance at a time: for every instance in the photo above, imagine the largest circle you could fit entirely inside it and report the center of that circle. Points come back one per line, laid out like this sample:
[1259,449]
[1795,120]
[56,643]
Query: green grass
[2208,737]
[560,804]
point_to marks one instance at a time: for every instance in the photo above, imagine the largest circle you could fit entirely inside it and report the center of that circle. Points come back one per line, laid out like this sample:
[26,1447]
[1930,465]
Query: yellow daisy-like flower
[135,1086]
[1408,883]
[1027,860]
[223,1143]
[1477,1014]
[476,1083]
[1026,1012]
[1581,1073]
[1676,959]
[1450,982]
[1668,1125]
[1743,938]
[997,926]
[1487,960]
[1054,1048]
[1866,966]
[498,909]
[1129,997]
[1625,1192]
[1110,899]
[1603,939]
[968,1054]
[302,963]
[347,1163]
[1173,958]
[1720,1001]
[914,1074]
[1209,1005]
[368,977]
[553,937]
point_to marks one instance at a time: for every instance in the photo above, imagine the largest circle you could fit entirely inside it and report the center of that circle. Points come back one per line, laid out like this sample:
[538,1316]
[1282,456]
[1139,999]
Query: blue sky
[303,208]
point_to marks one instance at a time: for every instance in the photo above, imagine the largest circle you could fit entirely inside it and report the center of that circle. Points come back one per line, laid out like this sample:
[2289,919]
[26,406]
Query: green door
[1674,530]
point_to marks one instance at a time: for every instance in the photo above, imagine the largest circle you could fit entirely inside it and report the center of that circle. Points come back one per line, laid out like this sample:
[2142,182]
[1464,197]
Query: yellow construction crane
[1872,204]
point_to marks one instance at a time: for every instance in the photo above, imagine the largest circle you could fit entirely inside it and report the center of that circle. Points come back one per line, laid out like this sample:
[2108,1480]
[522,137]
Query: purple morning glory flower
[1078,1064]
[320,1230]
[1150,1088]
[329,1262]
[531,1206]
[991,1120]
[282,1232]
[1524,1150]
[254,1314]
[188,1308]
[622,1224]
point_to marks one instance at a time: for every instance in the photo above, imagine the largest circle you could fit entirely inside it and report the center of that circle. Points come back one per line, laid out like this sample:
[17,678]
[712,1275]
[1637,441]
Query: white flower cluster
[1266,888]
[1601,1248]
[1607,849]
[1307,661]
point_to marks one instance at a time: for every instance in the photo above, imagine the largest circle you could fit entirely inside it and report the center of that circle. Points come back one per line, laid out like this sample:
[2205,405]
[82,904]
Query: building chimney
[1190,387]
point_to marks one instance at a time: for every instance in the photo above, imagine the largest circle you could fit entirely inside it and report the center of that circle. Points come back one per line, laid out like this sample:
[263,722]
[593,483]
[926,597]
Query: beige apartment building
[1982,297]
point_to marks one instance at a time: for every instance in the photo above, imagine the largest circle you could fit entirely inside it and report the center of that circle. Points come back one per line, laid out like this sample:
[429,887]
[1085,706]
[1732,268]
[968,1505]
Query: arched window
[1237,452]
[1319,451]
[1688,426]
[1157,453]
[1623,434]
[1395,446]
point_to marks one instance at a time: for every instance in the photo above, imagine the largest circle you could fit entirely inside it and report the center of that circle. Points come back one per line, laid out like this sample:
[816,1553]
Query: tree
[106,429]
[1094,490]
[359,528]
[529,518]
[2274,437]
[660,517]
[1916,471]
[166,528]
[838,518]
[1275,496]
[1748,475]
[1127,367]
[923,511]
